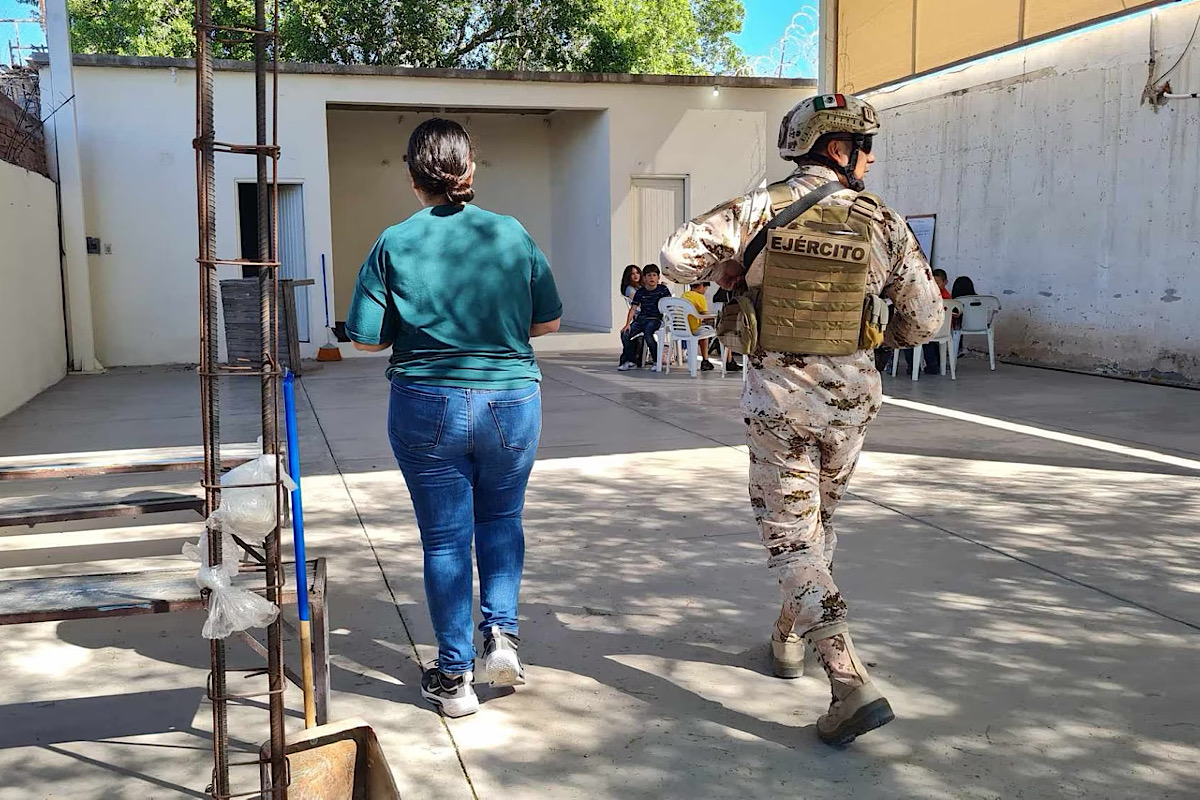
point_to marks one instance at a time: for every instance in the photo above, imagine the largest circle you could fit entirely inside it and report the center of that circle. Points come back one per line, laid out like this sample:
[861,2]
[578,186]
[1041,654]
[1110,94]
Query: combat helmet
[813,117]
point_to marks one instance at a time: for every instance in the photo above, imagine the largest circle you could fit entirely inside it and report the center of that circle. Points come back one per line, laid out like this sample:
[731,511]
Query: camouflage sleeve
[694,252]
[917,309]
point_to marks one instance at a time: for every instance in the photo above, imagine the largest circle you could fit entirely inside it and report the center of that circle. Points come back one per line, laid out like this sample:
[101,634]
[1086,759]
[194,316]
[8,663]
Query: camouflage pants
[798,475]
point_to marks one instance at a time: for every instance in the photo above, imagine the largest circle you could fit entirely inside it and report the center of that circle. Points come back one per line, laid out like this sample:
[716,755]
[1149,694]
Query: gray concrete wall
[1059,191]
[580,194]
[33,353]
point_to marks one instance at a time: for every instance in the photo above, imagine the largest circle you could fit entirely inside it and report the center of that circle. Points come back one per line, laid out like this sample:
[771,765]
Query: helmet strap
[845,171]
[852,180]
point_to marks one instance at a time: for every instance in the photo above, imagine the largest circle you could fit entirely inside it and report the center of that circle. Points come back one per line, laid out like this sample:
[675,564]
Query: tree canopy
[664,36]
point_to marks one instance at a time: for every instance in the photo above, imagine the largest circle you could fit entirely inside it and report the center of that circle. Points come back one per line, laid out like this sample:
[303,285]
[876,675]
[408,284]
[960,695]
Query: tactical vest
[814,297]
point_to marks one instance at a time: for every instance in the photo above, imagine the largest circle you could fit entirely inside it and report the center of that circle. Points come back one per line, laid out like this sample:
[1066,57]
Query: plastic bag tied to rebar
[248,508]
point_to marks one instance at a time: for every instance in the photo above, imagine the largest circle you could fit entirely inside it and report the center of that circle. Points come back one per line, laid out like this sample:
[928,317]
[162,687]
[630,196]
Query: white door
[659,209]
[293,257]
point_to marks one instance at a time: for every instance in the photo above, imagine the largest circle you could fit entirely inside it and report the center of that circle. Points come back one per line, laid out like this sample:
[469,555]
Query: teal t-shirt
[454,289]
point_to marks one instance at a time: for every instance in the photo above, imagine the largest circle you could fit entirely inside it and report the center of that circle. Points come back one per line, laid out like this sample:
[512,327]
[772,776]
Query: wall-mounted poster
[922,226]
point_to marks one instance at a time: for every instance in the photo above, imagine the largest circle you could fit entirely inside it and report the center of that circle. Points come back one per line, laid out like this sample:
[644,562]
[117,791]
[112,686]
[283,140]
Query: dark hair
[963,286]
[627,277]
[439,158]
[940,273]
[650,269]
[814,154]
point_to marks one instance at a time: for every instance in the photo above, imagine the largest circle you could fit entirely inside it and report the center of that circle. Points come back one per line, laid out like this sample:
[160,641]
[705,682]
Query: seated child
[695,296]
[644,319]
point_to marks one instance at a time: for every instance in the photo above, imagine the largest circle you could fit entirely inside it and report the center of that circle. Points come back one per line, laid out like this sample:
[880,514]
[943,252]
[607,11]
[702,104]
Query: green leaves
[154,27]
[666,36]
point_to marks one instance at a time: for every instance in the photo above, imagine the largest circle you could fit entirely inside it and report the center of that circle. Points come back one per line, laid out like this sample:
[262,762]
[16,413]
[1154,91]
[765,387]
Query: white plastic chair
[675,330]
[943,338]
[978,319]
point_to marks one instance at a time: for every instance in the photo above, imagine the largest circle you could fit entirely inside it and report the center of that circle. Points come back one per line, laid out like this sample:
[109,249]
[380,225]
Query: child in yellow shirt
[695,296]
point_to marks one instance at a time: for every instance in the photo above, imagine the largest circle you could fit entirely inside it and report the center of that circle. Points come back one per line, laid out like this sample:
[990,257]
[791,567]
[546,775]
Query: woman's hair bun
[440,154]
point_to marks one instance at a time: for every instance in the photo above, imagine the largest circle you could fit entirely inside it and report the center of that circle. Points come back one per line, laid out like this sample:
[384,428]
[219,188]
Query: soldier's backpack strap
[779,193]
[866,206]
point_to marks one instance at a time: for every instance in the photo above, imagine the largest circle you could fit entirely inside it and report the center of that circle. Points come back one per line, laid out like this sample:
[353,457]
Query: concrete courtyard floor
[1019,549]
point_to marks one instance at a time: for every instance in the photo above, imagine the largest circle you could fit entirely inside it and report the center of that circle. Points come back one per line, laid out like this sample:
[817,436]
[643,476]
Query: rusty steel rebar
[210,416]
[268,284]
[266,154]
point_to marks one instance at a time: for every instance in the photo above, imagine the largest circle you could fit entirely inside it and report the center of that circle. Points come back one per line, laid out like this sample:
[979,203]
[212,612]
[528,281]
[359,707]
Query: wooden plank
[43,509]
[120,594]
[118,462]
[291,331]
[242,315]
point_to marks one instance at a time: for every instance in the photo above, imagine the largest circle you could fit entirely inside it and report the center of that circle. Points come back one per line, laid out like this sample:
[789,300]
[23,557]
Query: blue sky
[761,37]
[11,9]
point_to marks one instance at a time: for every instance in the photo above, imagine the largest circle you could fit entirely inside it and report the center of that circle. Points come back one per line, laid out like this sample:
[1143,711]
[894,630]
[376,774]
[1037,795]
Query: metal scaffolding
[266,152]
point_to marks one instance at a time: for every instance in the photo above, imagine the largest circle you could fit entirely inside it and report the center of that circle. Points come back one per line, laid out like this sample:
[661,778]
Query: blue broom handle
[293,449]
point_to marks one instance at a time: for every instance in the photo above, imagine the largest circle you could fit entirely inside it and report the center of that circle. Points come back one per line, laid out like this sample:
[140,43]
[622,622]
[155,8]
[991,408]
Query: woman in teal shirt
[456,292]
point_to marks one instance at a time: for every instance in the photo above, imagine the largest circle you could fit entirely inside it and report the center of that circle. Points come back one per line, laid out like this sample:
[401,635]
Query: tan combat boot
[787,649]
[858,707]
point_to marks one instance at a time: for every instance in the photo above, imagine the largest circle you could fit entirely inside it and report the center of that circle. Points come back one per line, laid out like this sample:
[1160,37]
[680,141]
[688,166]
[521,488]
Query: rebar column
[265,42]
[210,419]
[268,284]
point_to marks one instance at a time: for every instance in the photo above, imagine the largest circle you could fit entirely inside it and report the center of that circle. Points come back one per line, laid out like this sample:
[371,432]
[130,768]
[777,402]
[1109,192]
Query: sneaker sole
[871,716]
[787,669]
[504,669]
[455,707]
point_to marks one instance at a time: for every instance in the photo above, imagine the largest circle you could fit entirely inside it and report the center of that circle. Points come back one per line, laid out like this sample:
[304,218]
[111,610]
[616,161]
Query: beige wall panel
[874,42]
[1045,16]
[952,30]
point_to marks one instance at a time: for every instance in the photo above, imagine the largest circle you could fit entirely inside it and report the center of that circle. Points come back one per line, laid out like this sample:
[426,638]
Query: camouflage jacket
[842,391]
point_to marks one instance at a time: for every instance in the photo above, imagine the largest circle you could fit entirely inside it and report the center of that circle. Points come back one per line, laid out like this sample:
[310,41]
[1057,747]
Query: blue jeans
[646,326]
[933,358]
[466,455]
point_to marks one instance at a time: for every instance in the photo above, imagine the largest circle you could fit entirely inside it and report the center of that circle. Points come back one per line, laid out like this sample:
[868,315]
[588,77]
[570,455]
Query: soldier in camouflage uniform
[807,414]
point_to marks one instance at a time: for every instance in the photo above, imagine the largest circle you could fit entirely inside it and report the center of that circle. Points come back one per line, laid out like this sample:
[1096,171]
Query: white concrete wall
[1057,190]
[34,352]
[136,127]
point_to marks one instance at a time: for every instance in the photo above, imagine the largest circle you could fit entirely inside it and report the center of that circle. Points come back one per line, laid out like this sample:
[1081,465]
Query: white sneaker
[453,695]
[656,368]
[500,659]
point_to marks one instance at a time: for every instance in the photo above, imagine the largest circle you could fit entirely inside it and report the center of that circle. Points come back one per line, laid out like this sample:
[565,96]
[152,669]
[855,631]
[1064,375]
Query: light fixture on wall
[716,90]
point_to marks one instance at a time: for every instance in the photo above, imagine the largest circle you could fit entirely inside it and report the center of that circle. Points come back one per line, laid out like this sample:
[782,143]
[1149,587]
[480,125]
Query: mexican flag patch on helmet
[827,102]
